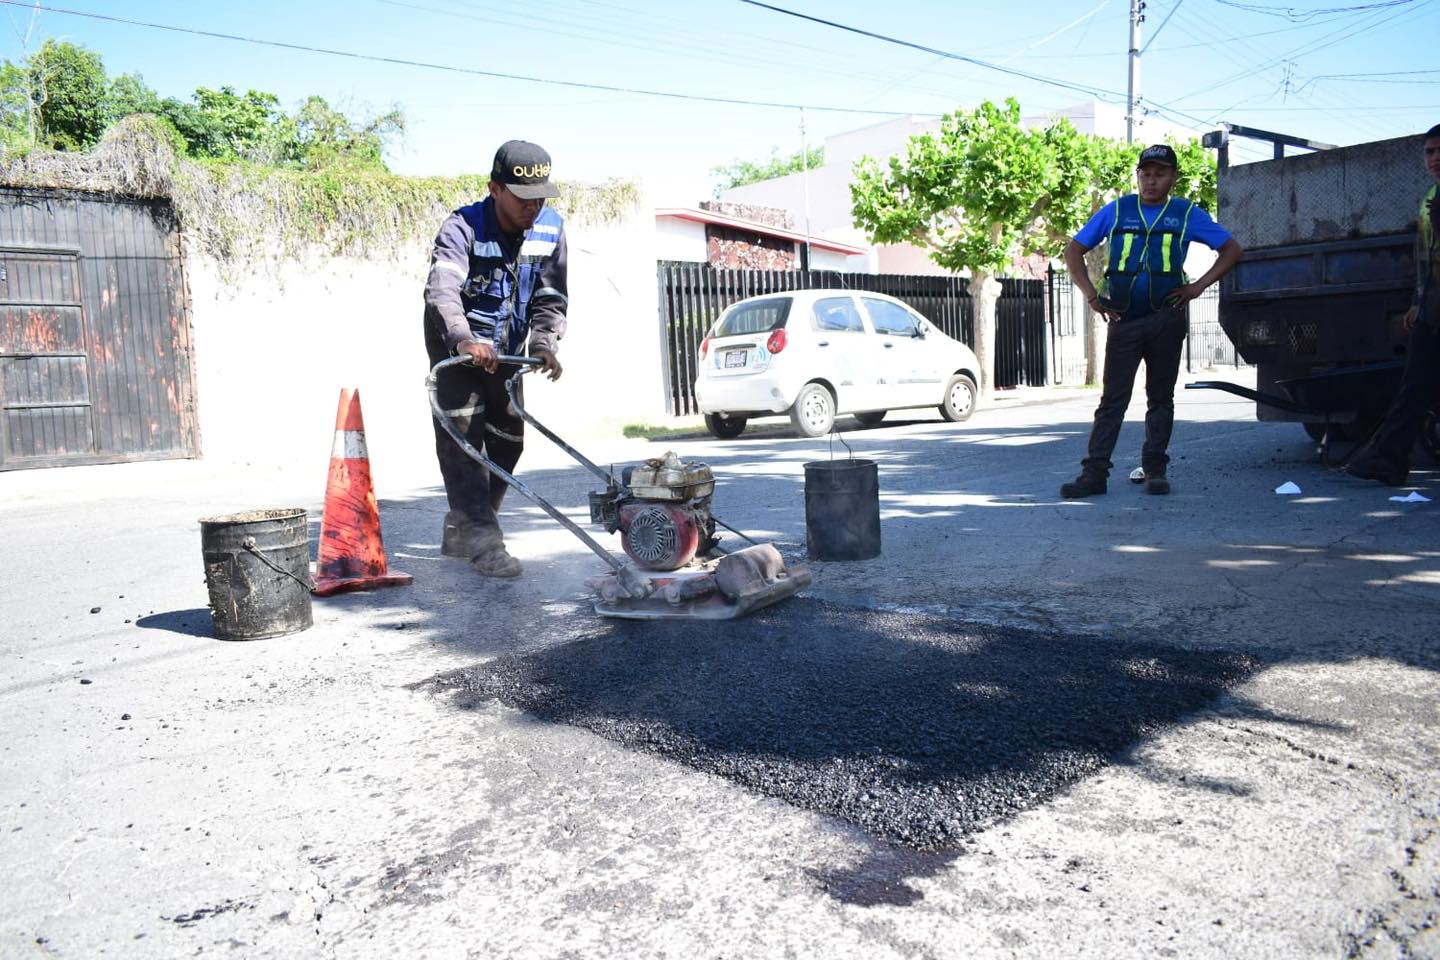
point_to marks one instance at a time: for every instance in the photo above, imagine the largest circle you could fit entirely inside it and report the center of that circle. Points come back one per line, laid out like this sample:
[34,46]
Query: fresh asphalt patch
[915,728]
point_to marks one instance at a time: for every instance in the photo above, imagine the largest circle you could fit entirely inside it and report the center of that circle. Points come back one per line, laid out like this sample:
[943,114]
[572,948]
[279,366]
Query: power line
[447,68]
[1312,46]
[696,46]
[1098,92]
[1162,26]
[1296,16]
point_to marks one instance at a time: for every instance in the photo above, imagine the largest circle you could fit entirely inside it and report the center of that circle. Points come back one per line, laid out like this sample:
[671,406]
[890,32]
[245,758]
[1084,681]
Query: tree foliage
[985,191]
[61,98]
[68,86]
[741,172]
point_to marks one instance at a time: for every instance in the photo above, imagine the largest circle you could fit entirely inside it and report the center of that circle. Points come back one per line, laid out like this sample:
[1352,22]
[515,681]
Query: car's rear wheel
[871,417]
[724,427]
[813,412]
[959,400]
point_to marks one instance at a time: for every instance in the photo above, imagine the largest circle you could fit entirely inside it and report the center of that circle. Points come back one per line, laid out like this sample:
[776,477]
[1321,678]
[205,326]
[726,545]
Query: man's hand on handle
[548,364]
[481,354]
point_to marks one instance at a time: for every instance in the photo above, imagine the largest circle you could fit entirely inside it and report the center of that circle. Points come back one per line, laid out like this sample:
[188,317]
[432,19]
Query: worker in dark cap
[1144,299]
[497,280]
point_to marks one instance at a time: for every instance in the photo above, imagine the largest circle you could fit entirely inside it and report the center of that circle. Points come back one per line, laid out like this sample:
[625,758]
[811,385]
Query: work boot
[1375,467]
[460,538]
[1157,484]
[496,562]
[1085,485]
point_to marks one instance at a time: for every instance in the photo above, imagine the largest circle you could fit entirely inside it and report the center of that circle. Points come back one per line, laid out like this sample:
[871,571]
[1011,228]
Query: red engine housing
[661,536]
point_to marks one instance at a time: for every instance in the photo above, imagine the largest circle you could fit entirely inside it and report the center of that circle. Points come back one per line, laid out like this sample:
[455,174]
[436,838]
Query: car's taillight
[704,347]
[777,341]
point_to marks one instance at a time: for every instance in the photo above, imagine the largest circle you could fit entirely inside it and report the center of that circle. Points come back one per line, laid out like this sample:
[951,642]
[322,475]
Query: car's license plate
[736,358]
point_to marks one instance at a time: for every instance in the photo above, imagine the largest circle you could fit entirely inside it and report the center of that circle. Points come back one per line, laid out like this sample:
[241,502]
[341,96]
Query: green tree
[128,94]
[978,194]
[60,97]
[16,114]
[323,137]
[67,92]
[741,172]
[236,127]
[985,191]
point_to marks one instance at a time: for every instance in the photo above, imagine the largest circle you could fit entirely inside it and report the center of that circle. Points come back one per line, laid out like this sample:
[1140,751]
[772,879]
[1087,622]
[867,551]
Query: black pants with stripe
[480,409]
[1419,393]
[1157,339]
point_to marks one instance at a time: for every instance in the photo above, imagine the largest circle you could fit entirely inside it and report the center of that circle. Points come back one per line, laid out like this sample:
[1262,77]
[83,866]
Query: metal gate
[693,295]
[95,351]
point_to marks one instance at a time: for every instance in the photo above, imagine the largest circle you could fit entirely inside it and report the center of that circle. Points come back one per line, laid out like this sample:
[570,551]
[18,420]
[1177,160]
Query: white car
[818,353]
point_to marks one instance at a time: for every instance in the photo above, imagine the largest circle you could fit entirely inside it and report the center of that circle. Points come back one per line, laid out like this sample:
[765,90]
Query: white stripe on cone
[349,445]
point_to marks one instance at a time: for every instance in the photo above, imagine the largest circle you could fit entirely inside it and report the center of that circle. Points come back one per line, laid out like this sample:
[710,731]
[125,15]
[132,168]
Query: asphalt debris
[918,729]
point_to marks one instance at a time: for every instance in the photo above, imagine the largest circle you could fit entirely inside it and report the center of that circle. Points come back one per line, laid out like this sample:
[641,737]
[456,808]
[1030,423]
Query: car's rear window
[761,316]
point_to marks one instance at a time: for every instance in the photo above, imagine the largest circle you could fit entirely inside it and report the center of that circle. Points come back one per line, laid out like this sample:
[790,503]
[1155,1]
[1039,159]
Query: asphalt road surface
[1201,725]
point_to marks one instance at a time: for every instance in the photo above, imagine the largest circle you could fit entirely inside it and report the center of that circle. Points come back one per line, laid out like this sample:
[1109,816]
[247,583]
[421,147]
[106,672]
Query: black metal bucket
[842,509]
[257,568]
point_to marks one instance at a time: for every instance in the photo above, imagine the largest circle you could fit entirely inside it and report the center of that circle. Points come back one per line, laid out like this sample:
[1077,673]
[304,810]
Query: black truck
[1317,303]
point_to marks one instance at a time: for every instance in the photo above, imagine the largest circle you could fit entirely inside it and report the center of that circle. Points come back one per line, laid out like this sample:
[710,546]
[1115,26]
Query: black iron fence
[693,295]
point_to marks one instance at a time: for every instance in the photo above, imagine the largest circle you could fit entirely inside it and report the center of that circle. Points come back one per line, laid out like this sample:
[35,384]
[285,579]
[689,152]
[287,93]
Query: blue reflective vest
[499,290]
[1152,251]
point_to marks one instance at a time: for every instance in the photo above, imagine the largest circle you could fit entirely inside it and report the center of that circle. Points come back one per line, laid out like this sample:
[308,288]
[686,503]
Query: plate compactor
[662,510]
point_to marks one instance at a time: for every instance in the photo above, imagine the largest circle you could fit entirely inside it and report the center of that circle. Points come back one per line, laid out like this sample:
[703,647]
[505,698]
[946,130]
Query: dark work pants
[1157,339]
[478,405]
[1419,391]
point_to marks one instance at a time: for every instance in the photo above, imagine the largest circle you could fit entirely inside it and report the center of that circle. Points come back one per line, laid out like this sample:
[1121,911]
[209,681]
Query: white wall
[273,352]
[677,239]
[839,262]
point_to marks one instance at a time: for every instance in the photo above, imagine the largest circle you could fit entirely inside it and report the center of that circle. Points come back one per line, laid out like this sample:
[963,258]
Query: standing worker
[1386,457]
[497,276]
[1145,303]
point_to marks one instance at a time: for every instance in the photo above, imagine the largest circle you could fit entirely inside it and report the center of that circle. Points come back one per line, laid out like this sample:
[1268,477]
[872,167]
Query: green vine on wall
[246,216]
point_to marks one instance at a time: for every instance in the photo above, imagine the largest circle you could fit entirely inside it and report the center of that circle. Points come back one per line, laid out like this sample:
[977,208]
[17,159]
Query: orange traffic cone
[351,555]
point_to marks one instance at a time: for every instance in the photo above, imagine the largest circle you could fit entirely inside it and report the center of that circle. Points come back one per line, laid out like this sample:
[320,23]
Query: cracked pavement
[324,794]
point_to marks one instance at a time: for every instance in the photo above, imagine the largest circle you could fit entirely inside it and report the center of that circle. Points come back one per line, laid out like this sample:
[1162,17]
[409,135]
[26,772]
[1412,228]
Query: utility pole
[805,179]
[1132,94]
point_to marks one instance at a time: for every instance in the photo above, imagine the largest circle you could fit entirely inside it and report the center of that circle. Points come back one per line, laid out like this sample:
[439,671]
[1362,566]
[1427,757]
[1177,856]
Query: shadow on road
[915,726]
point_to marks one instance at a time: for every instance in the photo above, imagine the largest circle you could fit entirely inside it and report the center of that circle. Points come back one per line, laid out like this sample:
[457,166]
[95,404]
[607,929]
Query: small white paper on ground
[1288,488]
[1414,496]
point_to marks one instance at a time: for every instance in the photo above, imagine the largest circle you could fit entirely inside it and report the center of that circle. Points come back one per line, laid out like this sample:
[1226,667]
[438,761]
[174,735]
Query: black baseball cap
[525,169]
[1160,153]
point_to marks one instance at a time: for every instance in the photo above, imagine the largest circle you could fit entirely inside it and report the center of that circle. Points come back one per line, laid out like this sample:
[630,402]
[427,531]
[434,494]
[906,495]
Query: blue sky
[1307,68]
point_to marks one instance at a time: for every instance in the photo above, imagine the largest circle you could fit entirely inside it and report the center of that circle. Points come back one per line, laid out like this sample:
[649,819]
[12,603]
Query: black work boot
[496,562]
[460,538]
[1156,483]
[1372,466]
[1085,485]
